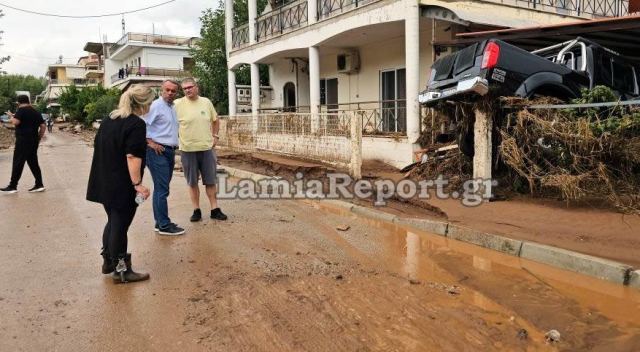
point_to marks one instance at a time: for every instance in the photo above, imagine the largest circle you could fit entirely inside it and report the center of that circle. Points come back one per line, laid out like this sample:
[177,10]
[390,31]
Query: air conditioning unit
[348,62]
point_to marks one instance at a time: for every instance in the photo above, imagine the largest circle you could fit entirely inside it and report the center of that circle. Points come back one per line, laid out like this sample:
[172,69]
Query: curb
[634,279]
[486,240]
[436,227]
[581,263]
[600,268]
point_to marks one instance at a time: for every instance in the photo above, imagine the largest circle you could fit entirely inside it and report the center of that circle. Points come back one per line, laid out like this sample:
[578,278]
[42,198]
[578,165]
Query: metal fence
[383,117]
[329,8]
[157,39]
[240,36]
[150,71]
[281,20]
[589,8]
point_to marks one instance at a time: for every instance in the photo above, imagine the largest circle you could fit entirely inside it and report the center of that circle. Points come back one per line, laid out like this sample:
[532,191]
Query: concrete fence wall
[334,139]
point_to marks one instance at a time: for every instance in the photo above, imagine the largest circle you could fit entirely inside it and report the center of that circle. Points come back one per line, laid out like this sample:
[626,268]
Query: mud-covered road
[278,276]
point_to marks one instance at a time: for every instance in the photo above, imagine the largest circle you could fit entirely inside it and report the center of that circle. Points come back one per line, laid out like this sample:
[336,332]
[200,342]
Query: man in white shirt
[162,142]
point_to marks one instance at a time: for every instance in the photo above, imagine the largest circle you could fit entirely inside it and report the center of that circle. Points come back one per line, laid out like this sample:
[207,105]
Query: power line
[85,16]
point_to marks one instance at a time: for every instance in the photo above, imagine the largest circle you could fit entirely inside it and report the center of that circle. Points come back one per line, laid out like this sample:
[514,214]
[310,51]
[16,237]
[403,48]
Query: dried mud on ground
[604,233]
[278,276]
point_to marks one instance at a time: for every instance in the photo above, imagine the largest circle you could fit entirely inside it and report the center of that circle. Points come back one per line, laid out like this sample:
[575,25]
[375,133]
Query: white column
[228,21]
[231,86]
[255,93]
[412,63]
[312,11]
[253,13]
[482,129]
[314,87]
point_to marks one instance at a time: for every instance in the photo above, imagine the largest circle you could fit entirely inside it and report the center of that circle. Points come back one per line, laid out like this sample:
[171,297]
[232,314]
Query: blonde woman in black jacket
[116,178]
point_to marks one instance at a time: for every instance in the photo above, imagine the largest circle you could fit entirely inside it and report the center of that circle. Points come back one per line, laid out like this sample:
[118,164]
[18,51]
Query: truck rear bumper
[476,85]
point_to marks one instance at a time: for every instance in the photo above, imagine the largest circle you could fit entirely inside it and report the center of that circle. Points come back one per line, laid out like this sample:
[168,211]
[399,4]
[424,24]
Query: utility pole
[123,30]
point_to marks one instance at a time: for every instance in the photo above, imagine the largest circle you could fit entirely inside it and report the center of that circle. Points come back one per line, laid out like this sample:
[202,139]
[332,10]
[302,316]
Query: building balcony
[294,15]
[74,81]
[141,39]
[150,73]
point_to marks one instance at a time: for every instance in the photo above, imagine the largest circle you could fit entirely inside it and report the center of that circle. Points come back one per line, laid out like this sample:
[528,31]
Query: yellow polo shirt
[195,118]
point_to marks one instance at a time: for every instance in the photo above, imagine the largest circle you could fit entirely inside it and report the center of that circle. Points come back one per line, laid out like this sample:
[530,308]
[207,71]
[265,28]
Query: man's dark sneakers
[9,189]
[197,215]
[171,230]
[218,214]
[37,188]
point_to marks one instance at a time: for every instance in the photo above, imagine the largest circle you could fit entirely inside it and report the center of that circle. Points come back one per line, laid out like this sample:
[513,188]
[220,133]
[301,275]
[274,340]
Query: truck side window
[623,79]
[603,64]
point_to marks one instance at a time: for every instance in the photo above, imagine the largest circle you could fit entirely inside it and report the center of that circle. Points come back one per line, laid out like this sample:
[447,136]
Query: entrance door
[329,93]
[289,95]
[393,101]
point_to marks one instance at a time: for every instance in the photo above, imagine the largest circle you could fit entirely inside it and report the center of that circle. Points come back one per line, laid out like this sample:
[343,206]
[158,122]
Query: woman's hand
[142,190]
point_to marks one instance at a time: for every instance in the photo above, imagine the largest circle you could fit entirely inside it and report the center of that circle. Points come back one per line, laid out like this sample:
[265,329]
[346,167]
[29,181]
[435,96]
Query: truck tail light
[491,55]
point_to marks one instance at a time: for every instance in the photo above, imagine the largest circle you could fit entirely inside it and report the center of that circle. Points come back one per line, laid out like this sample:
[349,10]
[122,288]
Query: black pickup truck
[501,69]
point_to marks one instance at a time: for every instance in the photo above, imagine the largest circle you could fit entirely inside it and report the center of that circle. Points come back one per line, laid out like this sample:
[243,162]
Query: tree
[88,104]
[9,84]
[3,59]
[211,59]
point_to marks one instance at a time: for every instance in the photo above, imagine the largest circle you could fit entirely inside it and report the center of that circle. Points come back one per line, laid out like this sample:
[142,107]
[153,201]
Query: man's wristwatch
[137,184]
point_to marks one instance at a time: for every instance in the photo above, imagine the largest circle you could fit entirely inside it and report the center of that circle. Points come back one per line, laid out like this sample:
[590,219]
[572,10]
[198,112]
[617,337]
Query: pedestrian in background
[50,124]
[115,179]
[198,134]
[30,129]
[162,142]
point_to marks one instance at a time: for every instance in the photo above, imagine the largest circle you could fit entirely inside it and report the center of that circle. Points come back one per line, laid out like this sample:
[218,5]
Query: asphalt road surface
[278,276]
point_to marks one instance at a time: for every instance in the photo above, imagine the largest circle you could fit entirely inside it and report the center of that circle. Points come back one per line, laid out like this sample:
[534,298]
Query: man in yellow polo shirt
[198,136]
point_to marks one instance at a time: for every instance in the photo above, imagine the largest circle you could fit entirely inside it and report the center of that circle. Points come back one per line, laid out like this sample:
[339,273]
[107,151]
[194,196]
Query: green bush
[88,104]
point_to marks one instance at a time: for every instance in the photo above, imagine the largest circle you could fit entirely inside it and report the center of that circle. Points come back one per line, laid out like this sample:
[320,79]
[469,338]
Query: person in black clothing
[115,179]
[30,130]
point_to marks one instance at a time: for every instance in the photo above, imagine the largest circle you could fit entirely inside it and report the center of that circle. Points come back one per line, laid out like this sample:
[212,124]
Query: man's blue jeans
[161,168]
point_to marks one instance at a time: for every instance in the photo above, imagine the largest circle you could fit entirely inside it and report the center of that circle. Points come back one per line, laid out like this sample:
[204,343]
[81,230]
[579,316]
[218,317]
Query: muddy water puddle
[590,313]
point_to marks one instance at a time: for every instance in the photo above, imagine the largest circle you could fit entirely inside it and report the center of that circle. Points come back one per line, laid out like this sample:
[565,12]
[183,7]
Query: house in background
[85,73]
[144,58]
[372,56]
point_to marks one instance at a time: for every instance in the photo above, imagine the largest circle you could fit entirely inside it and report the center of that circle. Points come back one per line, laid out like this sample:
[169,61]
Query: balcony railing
[328,8]
[149,71]
[154,39]
[281,20]
[76,81]
[590,8]
[240,36]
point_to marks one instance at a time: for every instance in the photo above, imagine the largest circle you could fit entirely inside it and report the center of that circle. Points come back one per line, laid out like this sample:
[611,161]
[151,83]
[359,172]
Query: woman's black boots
[108,265]
[124,273]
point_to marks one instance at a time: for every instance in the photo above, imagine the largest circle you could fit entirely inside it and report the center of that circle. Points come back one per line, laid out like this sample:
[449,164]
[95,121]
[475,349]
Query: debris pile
[576,154]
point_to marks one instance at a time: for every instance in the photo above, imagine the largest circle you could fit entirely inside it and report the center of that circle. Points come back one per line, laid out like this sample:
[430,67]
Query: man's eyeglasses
[187,87]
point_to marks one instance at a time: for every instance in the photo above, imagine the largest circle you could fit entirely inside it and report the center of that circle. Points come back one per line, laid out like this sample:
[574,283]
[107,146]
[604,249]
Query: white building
[147,59]
[370,55]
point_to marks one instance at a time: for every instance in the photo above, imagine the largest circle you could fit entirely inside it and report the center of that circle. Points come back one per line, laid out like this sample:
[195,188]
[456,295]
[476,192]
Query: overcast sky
[35,41]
